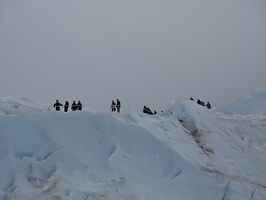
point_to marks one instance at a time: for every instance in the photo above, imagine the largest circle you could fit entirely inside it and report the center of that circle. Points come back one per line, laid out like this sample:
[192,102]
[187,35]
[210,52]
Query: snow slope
[12,105]
[187,152]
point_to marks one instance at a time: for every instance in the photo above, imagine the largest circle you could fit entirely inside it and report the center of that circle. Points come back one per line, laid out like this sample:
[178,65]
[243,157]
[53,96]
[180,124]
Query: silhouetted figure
[113,105]
[144,109]
[118,105]
[199,102]
[57,105]
[66,106]
[155,112]
[208,105]
[147,110]
[74,106]
[79,105]
[191,99]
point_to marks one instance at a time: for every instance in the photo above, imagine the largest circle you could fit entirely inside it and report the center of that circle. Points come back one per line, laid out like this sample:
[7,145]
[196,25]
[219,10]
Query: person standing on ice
[113,106]
[79,105]
[57,105]
[66,106]
[118,105]
[74,106]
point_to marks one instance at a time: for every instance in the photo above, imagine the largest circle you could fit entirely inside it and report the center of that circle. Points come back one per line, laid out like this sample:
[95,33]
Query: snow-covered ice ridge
[187,153]
[12,105]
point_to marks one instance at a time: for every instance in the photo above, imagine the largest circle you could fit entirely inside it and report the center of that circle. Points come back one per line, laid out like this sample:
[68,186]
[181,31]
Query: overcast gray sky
[144,52]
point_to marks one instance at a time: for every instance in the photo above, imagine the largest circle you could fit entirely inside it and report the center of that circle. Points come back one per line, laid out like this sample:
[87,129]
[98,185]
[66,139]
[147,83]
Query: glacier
[187,152]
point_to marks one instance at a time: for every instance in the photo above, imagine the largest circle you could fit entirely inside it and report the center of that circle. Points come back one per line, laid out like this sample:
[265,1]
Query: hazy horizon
[142,52]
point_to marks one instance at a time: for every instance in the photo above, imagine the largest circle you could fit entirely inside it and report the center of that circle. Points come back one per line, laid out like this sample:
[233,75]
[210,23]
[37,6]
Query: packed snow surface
[188,152]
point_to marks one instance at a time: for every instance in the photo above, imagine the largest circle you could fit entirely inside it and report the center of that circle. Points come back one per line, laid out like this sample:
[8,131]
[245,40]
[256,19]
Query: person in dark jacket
[113,106]
[208,105]
[57,105]
[66,106]
[199,102]
[147,110]
[79,106]
[118,105]
[74,106]
[144,109]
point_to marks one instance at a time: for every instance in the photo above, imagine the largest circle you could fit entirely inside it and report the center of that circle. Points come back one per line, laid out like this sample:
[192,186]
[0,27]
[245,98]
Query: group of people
[78,106]
[208,105]
[115,106]
[148,111]
[75,106]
